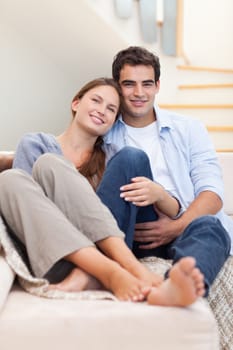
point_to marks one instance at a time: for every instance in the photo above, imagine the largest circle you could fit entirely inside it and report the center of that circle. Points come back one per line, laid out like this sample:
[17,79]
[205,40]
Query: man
[183,161]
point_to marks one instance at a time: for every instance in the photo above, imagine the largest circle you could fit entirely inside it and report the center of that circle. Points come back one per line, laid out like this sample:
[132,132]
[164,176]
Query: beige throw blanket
[220,297]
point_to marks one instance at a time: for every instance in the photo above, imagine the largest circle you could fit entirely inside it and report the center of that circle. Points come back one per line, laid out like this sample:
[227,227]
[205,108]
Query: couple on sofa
[52,210]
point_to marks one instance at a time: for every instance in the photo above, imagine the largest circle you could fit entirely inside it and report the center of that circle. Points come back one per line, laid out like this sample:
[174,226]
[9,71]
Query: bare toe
[187,264]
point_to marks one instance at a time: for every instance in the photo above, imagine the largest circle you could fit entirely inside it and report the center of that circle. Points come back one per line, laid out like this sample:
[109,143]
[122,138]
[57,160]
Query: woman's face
[96,111]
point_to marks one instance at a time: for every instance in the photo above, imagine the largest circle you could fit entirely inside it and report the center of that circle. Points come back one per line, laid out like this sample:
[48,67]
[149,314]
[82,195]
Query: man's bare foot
[184,285]
[77,281]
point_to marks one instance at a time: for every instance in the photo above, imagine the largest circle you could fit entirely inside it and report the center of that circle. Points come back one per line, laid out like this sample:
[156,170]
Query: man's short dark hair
[134,56]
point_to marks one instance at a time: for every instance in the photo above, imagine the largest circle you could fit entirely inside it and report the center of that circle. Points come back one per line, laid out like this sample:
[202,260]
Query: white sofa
[96,320]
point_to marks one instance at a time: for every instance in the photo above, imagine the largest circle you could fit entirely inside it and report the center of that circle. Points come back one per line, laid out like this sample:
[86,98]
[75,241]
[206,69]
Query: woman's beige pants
[53,213]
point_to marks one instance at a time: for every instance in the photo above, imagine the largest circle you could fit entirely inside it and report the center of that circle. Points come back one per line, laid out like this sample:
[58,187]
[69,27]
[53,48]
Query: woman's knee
[46,164]
[11,179]
[12,183]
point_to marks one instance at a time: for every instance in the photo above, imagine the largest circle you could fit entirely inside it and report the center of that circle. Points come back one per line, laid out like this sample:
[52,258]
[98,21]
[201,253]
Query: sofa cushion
[40,323]
[220,301]
[89,320]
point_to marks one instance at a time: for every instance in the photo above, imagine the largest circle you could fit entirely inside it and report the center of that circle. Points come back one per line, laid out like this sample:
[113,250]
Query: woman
[52,209]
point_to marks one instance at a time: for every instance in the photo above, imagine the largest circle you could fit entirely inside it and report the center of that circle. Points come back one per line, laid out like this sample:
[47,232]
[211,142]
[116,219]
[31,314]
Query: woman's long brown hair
[93,168]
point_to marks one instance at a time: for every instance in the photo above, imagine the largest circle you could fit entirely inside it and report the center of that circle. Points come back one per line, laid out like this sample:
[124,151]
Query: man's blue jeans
[205,238]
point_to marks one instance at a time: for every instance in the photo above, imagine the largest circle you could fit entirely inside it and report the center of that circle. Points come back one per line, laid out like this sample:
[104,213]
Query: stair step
[205,86]
[207,69]
[196,106]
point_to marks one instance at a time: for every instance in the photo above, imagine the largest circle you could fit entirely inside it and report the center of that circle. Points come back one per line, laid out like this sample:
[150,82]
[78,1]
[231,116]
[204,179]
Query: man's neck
[138,122]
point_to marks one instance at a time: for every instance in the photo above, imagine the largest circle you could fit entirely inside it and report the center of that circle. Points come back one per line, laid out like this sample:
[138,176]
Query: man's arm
[202,168]
[206,203]
[165,230]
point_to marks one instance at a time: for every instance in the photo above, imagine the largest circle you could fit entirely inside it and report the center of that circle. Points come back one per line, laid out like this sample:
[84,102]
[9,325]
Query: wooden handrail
[205,86]
[207,69]
[221,128]
[196,106]
[179,28]
[221,150]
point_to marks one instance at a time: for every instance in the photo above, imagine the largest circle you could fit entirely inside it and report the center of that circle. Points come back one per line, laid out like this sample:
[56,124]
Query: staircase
[50,48]
[206,93]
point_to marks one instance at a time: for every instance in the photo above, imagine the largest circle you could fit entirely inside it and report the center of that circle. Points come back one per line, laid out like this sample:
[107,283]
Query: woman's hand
[142,191]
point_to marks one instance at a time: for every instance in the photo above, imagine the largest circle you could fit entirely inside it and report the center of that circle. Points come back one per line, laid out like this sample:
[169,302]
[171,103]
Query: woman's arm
[31,147]
[167,204]
[143,191]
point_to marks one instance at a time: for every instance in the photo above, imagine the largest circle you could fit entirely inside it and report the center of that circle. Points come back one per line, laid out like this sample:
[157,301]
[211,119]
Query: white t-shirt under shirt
[147,139]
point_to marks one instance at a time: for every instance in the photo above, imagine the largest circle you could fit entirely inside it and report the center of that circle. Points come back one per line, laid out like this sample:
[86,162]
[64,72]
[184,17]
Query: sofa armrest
[6,160]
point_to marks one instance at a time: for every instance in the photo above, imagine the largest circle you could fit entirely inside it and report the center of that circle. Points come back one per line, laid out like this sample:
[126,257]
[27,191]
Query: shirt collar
[164,121]
[162,116]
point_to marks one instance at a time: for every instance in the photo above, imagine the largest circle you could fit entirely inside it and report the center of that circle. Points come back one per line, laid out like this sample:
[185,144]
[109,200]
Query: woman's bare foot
[118,251]
[144,274]
[77,281]
[127,287]
[184,285]
[124,285]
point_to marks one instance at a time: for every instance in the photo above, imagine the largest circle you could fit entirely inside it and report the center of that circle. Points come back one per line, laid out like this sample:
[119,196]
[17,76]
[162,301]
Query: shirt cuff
[180,210]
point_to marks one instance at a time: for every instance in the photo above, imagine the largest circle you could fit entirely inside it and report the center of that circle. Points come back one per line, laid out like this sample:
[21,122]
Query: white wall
[207,25]
[49,48]
[208,32]
[31,87]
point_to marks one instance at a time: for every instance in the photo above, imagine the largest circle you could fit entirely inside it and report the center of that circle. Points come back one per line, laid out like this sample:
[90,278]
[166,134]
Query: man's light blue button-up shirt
[189,154]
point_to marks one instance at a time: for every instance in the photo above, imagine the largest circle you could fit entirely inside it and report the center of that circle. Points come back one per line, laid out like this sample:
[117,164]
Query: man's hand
[164,230]
[159,232]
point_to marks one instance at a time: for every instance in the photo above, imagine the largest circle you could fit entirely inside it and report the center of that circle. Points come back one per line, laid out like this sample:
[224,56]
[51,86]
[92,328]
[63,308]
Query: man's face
[138,89]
